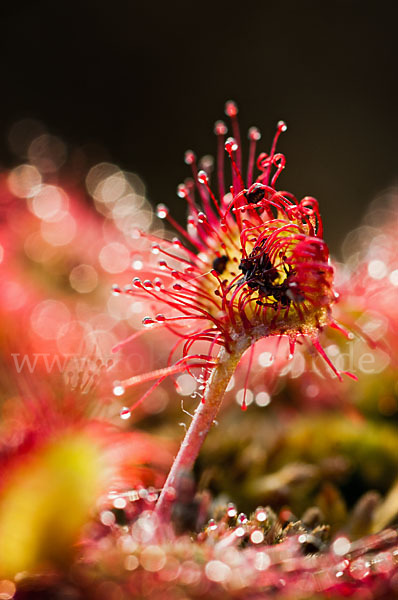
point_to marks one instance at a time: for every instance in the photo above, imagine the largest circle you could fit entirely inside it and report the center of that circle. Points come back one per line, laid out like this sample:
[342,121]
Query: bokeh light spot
[24,181]
[83,278]
[60,233]
[377,269]
[263,399]
[394,277]
[50,203]
[265,359]
[217,571]
[48,317]
[153,558]
[186,385]
[114,258]
[240,396]
[7,589]
[47,153]
[341,546]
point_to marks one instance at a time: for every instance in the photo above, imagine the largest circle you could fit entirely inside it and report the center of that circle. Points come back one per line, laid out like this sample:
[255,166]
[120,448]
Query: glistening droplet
[231,145]
[162,211]
[125,413]
[118,389]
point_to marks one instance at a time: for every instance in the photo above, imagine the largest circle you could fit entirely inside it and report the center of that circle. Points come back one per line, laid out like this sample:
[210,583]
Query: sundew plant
[251,263]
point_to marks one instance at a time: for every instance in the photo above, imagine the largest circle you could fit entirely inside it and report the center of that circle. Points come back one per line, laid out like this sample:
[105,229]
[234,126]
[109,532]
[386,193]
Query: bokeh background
[99,100]
[139,82]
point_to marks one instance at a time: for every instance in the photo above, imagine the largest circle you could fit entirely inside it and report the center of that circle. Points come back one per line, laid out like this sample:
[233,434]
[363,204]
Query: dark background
[145,81]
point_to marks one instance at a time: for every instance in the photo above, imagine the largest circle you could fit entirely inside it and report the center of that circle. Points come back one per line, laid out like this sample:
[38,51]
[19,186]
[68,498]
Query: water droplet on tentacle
[125,413]
[220,128]
[137,282]
[231,109]
[189,157]
[254,134]
[162,211]
[118,389]
[116,290]
[231,145]
[242,519]
[182,191]
[202,177]
[148,321]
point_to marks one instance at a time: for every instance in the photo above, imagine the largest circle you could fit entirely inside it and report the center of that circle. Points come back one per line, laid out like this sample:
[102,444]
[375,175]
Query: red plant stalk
[201,423]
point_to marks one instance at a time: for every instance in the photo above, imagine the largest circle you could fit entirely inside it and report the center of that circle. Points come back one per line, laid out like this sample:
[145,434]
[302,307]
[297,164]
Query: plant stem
[201,424]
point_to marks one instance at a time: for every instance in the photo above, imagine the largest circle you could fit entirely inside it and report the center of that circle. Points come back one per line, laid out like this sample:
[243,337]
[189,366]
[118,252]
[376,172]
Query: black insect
[259,274]
[220,263]
[255,193]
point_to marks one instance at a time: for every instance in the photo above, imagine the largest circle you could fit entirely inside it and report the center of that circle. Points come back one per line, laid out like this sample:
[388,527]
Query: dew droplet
[257,536]
[231,109]
[231,145]
[120,503]
[261,514]
[125,413]
[189,157]
[118,389]
[152,496]
[202,177]
[220,128]
[177,242]
[282,126]
[254,134]
[116,290]
[137,263]
[182,191]
[143,493]
[162,211]
[242,519]
[212,525]
[160,318]
[148,321]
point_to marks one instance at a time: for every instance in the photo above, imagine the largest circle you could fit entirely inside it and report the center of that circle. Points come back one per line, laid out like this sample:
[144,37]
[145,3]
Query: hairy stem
[201,424]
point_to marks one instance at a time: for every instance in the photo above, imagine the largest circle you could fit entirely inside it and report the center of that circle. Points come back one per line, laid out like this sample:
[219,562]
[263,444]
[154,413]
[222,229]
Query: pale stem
[200,425]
